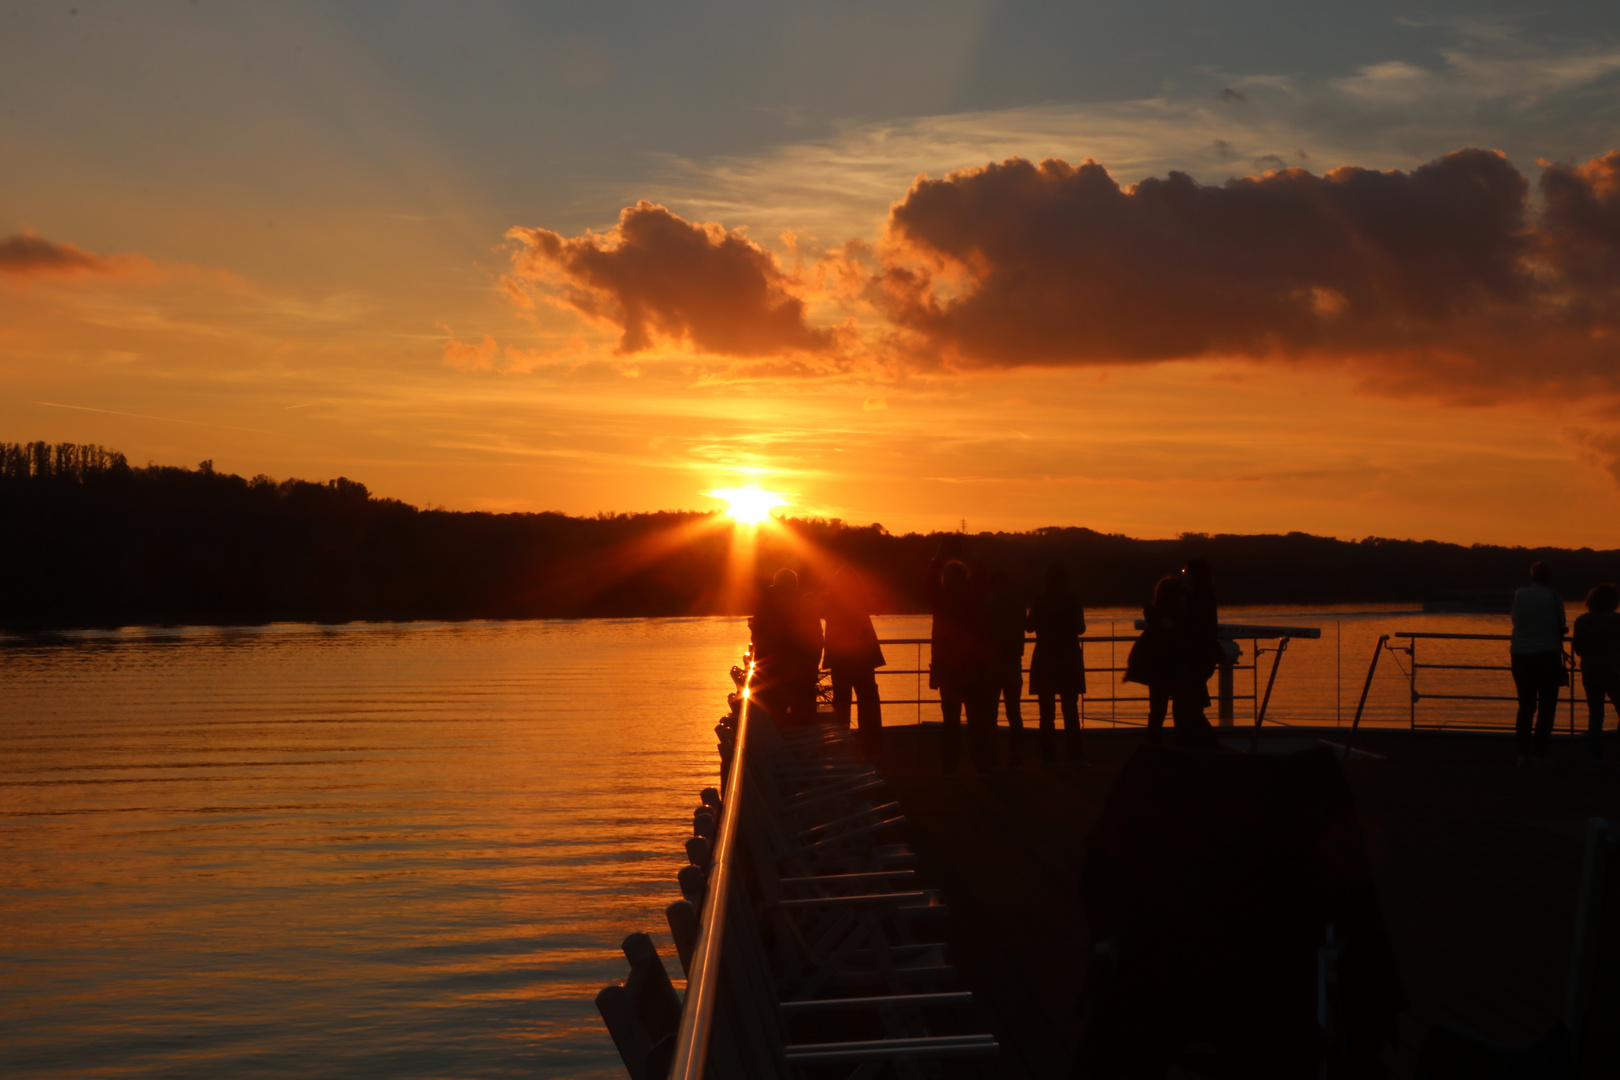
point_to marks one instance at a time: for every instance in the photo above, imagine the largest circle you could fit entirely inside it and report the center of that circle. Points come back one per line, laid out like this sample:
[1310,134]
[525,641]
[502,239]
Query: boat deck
[1477,864]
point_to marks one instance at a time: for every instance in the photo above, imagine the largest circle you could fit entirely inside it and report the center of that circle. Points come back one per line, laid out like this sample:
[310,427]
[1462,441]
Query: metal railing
[1254,634]
[704,973]
[1414,665]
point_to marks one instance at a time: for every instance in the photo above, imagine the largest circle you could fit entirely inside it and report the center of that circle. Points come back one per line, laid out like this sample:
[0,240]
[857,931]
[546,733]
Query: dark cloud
[657,276]
[26,254]
[1019,263]
[1579,235]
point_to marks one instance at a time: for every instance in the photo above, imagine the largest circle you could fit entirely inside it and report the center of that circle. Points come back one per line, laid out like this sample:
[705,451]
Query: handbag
[1139,662]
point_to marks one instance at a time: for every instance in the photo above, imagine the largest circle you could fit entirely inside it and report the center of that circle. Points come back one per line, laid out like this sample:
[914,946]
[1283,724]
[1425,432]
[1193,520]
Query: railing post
[1223,689]
[1411,681]
[1378,650]
[1114,681]
[1276,660]
[1569,672]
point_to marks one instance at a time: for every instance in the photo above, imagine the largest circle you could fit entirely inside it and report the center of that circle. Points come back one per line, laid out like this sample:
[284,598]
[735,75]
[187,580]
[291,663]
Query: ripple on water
[359,851]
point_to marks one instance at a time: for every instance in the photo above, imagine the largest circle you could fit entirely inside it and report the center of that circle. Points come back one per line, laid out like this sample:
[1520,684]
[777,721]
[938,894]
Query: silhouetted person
[1005,624]
[1160,651]
[853,656]
[1198,647]
[1597,643]
[1537,655]
[962,667]
[787,651]
[1057,671]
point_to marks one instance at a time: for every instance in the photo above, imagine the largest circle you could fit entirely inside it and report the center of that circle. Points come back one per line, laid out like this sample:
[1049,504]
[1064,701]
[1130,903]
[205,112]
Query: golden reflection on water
[357,851]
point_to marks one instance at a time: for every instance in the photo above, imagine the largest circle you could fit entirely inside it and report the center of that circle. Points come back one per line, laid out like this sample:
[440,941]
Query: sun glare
[748,506]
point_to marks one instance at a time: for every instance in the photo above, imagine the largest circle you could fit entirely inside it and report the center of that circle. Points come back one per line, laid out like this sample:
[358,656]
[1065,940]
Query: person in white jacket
[1537,655]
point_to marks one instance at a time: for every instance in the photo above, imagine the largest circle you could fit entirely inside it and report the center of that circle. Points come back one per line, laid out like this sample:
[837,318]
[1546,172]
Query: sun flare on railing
[748,506]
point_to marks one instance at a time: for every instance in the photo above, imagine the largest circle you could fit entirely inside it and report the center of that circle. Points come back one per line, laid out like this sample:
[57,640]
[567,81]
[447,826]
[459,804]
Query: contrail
[165,419]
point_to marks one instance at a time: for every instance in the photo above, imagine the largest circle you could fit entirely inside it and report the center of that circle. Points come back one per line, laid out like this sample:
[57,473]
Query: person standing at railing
[787,651]
[1005,617]
[962,663]
[1057,671]
[1155,657]
[852,655]
[1536,653]
[1597,643]
[1199,651]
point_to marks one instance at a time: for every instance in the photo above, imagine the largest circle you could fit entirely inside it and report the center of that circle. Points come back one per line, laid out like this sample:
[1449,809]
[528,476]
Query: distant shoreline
[93,543]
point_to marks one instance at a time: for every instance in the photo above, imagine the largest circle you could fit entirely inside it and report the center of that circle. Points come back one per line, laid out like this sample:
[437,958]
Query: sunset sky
[1350,268]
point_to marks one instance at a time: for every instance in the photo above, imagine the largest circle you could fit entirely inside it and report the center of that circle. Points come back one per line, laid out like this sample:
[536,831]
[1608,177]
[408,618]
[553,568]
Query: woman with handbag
[1057,671]
[1153,658]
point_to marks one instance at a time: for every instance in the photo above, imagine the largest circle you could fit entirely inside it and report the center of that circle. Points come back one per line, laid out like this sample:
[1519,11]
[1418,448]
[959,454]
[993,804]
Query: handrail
[1231,630]
[703,976]
[1256,631]
[1458,637]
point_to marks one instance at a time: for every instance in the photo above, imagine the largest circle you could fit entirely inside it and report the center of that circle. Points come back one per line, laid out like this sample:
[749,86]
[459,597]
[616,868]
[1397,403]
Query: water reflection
[350,851]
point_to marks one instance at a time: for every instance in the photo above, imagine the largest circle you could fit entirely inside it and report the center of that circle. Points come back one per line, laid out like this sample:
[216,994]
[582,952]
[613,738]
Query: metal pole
[1411,681]
[1113,679]
[1254,678]
[1276,660]
[1338,672]
[1569,671]
[1378,650]
[1224,691]
[1260,712]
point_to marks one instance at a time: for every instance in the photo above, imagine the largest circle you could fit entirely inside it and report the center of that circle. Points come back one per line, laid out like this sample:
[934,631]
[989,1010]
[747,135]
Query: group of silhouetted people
[977,656]
[790,646]
[1537,655]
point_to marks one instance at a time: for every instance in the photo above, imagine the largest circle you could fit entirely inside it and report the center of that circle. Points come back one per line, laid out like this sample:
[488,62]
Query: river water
[410,850]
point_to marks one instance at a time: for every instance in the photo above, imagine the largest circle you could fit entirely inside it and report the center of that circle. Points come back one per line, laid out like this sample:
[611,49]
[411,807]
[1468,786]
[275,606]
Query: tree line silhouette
[88,540]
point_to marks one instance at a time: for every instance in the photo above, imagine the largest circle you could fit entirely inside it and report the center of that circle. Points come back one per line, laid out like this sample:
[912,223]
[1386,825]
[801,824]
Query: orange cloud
[657,277]
[28,255]
[467,357]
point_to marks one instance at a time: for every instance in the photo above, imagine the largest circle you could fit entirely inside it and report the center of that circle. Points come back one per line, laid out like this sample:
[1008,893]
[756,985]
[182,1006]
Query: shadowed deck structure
[1477,865]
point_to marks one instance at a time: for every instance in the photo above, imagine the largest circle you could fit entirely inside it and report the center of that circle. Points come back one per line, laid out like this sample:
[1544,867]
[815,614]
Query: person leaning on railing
[1057,671]
[787,651]
[853,656]
[962,663]
[1597,643]
[1536,653]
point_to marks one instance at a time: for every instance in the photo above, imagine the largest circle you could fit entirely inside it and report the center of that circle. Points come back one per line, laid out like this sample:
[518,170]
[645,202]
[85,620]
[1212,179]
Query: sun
[748,506]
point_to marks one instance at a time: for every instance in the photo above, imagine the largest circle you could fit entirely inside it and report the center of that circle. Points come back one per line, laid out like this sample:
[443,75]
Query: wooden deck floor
[1477,865]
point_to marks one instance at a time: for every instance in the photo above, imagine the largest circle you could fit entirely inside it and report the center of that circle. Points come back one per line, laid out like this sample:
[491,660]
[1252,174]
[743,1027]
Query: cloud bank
[1453,277]
[1019,263]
